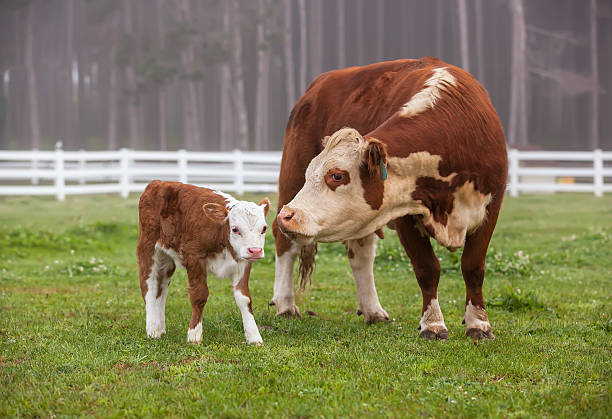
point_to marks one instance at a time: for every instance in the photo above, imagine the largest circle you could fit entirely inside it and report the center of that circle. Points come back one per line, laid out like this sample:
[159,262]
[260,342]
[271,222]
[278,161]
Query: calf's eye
[235,230]
[337,177]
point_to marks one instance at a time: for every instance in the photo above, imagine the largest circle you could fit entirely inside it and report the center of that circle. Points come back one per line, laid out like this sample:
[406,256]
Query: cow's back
[368,99]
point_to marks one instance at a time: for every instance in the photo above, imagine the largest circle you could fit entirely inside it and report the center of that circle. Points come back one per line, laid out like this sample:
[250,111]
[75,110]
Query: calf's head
[247,225]
[343,191]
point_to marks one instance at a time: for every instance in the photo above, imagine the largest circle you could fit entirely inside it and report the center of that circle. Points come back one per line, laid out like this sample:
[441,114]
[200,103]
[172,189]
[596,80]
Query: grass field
[72,335]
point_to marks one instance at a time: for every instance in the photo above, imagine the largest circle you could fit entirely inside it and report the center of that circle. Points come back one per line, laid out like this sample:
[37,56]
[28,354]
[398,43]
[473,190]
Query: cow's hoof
[479,334]
[291,311]
[434,334]
[377,316]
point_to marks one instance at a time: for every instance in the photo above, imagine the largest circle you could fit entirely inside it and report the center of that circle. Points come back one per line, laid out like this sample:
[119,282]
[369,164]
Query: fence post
[238,172]
[82,165]
[598,177]
[35,166]
[60,191]
[182,164]
[514,178]
[124,180]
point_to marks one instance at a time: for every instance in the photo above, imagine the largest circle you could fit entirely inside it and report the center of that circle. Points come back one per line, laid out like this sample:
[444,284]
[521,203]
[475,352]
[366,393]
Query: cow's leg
[476,319]
[242,295]
[427,271]
[155,290]
[198,295]
[284,294]
[361,255]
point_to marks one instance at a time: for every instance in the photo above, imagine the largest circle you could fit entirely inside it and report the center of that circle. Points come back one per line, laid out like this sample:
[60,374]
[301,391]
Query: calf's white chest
[223,265]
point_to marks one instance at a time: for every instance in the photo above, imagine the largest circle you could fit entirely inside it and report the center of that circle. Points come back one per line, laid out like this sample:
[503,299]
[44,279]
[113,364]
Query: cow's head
[343,191]
[247,225]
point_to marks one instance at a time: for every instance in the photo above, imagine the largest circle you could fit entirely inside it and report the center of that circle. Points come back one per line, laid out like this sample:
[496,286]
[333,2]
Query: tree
[288,54]
[463,35]
[32,84]
[238,78]
[517,127]
[594,120]
[303,46]
[341,31]
[226,89]
[113,84]
[161,94]
[134,127]
[316,38]
[263,74]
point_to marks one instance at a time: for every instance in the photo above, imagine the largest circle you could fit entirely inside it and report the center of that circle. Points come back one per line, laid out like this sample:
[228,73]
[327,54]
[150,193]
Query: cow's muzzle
[288,221]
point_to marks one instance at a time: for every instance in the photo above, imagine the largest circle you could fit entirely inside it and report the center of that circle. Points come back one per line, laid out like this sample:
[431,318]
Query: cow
[203,231]
[412,144]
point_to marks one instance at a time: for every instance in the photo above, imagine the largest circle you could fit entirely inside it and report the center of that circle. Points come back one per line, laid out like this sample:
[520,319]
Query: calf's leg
[156,270]
[477,324]
[361,255]
[284,294]
[198,296]
[427,271]
[242,295]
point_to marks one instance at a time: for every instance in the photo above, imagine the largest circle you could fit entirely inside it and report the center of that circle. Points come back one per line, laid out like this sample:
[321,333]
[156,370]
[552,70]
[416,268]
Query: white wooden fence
[62,173]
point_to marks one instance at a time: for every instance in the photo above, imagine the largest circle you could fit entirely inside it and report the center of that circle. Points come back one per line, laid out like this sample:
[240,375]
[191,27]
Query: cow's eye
[235,230]
[263,231]
[337,177]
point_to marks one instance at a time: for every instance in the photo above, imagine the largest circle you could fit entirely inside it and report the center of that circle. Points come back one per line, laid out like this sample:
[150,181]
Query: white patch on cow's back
[426,98]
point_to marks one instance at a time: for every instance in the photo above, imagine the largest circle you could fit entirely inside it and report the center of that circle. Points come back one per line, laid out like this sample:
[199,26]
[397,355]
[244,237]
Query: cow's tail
[306,265]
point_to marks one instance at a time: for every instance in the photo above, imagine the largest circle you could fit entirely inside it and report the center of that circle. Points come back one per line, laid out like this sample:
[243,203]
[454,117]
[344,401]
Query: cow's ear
[265,203]
[324,140]
[215,212]
[375,158]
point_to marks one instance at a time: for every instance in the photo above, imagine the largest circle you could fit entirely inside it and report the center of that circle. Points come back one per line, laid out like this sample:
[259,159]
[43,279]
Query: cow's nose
[286,214]
[255,251]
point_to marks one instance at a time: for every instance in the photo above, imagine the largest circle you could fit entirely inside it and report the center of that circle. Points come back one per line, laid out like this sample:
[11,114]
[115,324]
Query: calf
[205,232]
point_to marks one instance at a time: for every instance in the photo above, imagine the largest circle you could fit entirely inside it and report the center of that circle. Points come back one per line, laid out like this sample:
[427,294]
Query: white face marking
[476,318]
[248,226]
[333,215]
[426,98]
[432,318]
[195,335]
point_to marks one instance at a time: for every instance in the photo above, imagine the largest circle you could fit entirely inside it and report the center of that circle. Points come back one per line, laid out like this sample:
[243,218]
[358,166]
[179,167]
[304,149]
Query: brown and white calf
[205,232]
[425,154]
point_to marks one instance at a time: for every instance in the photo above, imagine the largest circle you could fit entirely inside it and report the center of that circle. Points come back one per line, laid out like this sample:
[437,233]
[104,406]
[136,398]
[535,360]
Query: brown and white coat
[203,231]
[425,154]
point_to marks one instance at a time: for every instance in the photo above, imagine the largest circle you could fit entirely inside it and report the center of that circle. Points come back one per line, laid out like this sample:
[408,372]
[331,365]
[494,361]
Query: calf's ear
[375,158]
[265,203]
[215,212]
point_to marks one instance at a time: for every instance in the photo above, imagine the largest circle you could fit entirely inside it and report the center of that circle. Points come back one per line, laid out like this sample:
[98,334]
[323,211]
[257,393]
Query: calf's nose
[255,251]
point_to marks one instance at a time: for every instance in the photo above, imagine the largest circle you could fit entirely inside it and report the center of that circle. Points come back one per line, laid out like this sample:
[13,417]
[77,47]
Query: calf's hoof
[479,334]
[434,334]
[155,332]
[255,343]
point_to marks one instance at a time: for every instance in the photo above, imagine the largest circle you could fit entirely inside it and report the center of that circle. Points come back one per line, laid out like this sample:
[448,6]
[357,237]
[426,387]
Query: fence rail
[62,173]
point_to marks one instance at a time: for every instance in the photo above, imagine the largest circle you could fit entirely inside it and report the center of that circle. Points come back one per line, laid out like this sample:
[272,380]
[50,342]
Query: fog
[219,75]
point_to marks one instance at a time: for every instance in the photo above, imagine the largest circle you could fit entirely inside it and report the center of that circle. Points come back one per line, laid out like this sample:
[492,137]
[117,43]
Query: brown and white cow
[425,154]
[203,231]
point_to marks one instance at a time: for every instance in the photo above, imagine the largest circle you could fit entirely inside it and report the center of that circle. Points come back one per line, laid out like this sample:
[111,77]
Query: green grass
[72,337]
